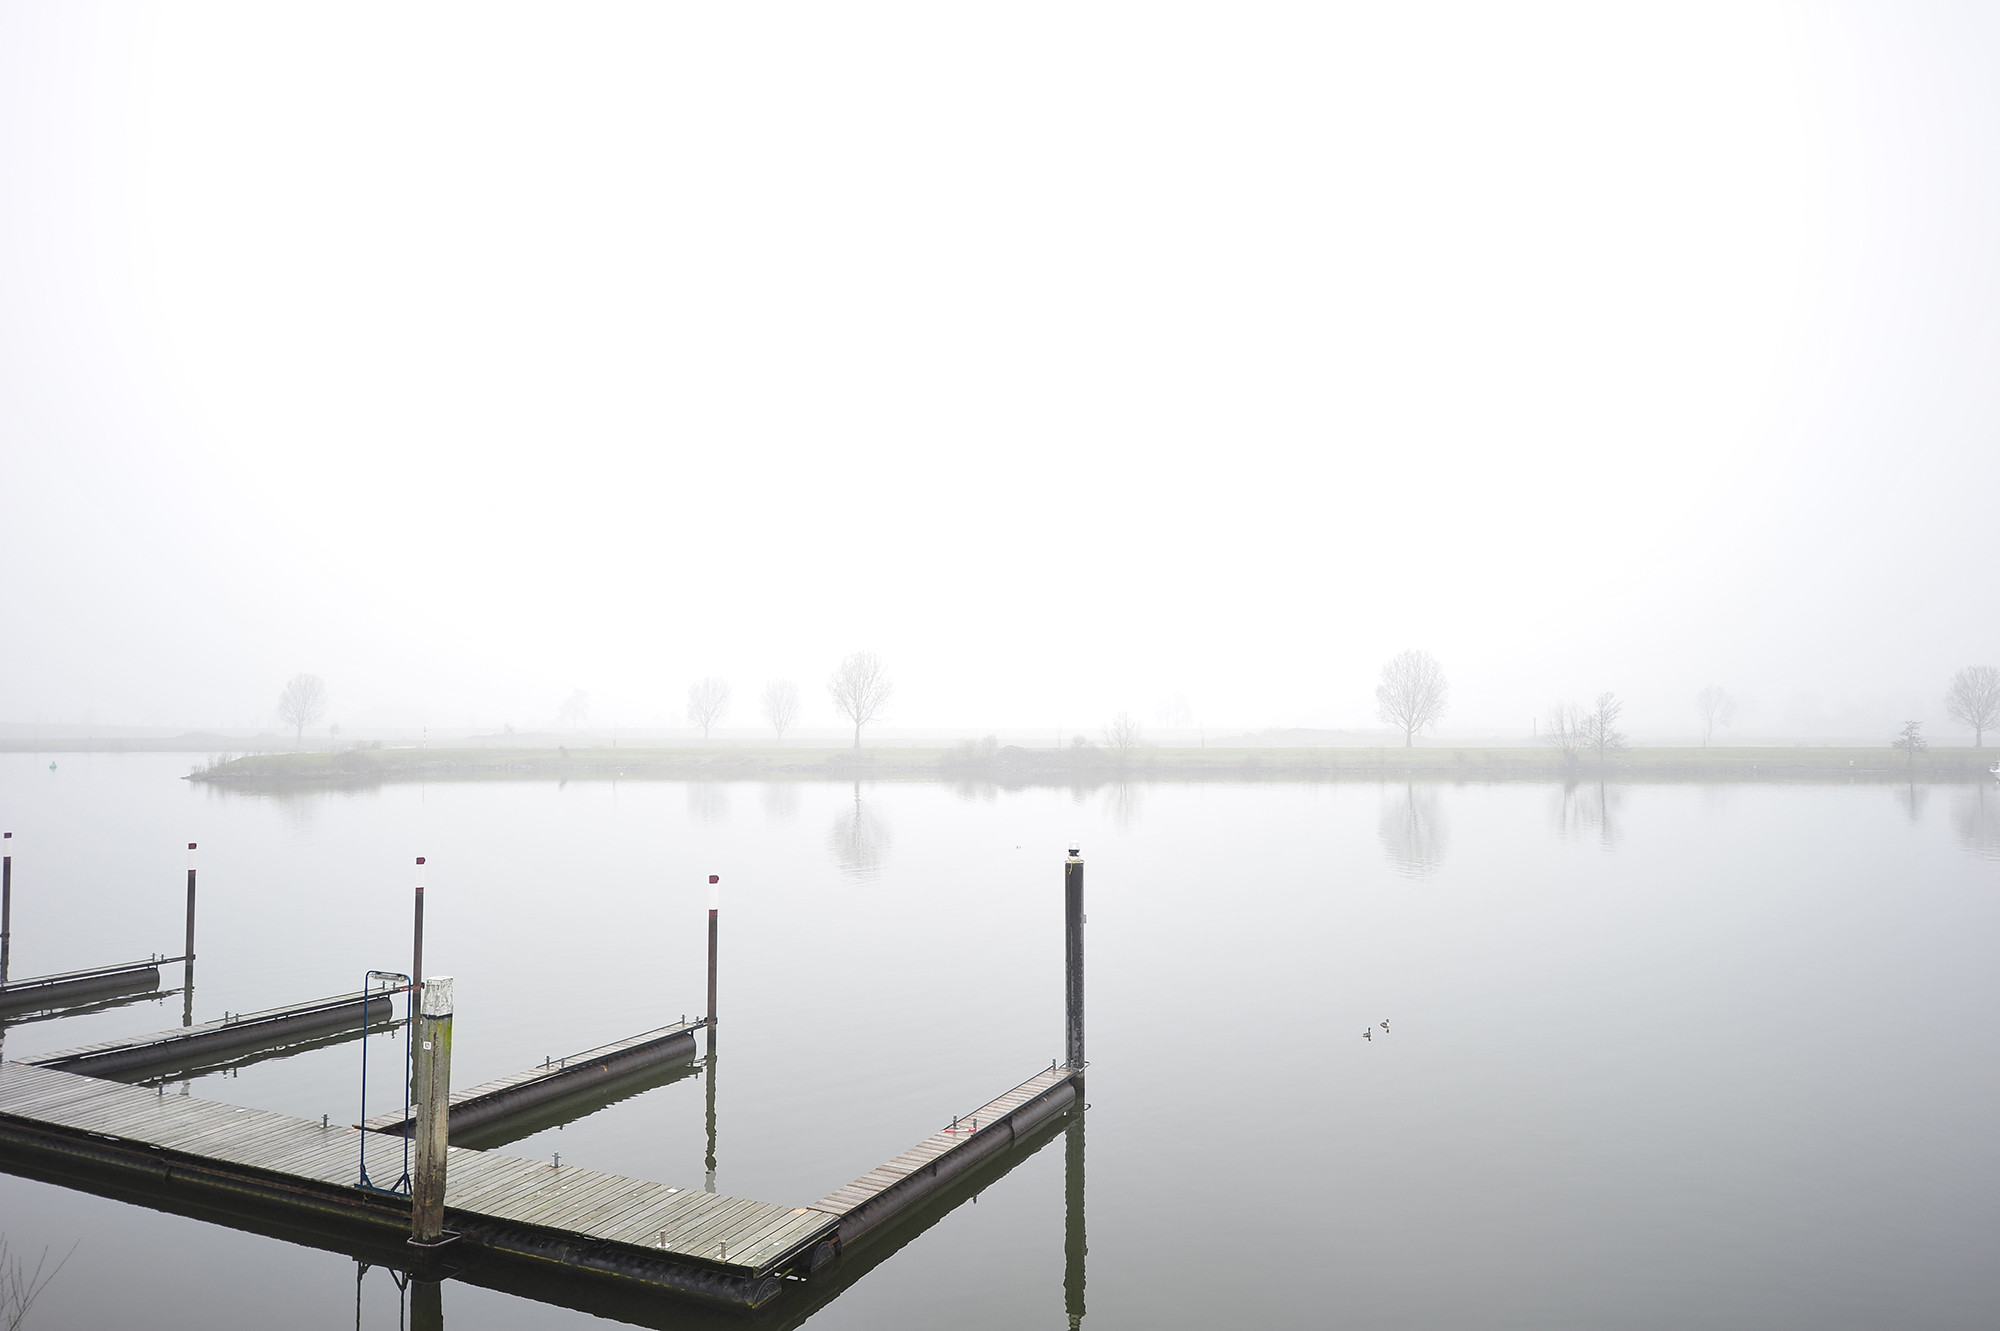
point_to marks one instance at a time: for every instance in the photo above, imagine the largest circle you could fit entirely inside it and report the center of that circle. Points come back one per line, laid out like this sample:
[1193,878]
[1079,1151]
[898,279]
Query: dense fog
[1183,363]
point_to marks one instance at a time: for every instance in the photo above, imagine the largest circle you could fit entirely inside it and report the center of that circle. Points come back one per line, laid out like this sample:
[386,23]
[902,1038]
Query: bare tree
[1413,693]
[1563,728]
[574,709]
[1973,700]
[781,705]
[1911,740]
[1122,735]
[860,687]
[1717,708]
[1600,730]
[301,704]
[708,701]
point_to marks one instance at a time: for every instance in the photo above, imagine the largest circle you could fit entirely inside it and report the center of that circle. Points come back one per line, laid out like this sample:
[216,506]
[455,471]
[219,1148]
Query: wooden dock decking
[725,1250]
[487,1194]
[897,1184]
[490,1101]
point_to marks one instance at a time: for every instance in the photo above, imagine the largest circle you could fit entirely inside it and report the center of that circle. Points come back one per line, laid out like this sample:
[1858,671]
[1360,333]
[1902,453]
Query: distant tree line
[1412,696]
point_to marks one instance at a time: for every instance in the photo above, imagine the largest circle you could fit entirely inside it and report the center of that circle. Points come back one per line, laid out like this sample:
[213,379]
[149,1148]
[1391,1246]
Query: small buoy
[52,764]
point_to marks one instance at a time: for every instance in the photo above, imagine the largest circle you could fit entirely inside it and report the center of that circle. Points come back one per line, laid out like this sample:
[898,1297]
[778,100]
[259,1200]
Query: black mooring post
[187,947]
[187,950]
[1073,958]
[417,945]
[6,900]
[714,905]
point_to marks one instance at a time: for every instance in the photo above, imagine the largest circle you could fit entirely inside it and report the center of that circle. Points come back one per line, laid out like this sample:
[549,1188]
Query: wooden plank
[643,1226]
[615,1223]
[758,1234]
[556,1198]
[806,1225]
[700,1237]
[488,1193]
[494,1198]
[703,1206]
[598,1200]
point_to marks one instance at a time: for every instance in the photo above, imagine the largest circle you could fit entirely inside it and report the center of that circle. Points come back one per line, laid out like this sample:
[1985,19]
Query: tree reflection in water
[781,801]
[1124,801]
[1975,816]
[708,801]
[1588,812]
[1413,830]
[859,839]
[1913,797]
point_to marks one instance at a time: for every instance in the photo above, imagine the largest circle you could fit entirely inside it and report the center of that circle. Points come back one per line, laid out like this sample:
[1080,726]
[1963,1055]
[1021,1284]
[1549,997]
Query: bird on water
[1367,1032]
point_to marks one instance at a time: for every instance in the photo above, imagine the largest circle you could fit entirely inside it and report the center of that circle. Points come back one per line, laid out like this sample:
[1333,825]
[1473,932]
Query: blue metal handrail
[401,1187]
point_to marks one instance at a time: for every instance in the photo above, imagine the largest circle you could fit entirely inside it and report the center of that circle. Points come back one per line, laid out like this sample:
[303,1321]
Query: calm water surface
[1657,1055]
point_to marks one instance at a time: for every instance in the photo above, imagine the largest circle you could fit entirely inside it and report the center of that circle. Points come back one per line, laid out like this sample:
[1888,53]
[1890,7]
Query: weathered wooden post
[1073,957]
[6,900]
[714,905]
[431,1115]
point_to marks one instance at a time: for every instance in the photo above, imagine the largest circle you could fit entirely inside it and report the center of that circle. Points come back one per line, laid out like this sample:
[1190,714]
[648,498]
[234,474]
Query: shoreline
[1009,766]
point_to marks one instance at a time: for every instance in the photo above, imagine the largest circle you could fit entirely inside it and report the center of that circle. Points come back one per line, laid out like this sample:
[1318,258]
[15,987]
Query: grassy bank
[1006,765]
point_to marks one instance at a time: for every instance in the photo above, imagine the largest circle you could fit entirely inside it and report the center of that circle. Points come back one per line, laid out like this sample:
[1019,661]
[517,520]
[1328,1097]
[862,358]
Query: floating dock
[187,1046]
[720,1250]
[70,987]
[487,1106]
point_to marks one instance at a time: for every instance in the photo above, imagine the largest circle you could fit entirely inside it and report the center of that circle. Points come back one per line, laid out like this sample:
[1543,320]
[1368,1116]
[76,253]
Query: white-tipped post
[417,934]
[714,909]
[1073,958]
[187,949]
[432,1113]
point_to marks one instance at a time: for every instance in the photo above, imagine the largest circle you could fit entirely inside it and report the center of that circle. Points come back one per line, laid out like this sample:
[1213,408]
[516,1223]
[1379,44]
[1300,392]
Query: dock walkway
[185,1045]
[503,1097]
[527,1207]
[69,987]
[724,1250]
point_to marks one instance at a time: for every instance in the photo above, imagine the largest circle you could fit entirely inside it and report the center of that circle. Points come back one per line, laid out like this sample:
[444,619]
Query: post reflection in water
[426,1305]
[402,1283]
[708,1161]
[1074,1245]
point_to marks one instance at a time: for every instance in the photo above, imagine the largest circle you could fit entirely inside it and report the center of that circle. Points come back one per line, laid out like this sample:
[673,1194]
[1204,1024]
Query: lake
[1655,1055]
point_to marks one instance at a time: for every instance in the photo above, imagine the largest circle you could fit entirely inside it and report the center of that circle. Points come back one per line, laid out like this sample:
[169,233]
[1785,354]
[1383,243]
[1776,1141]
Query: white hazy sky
[1070,357]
